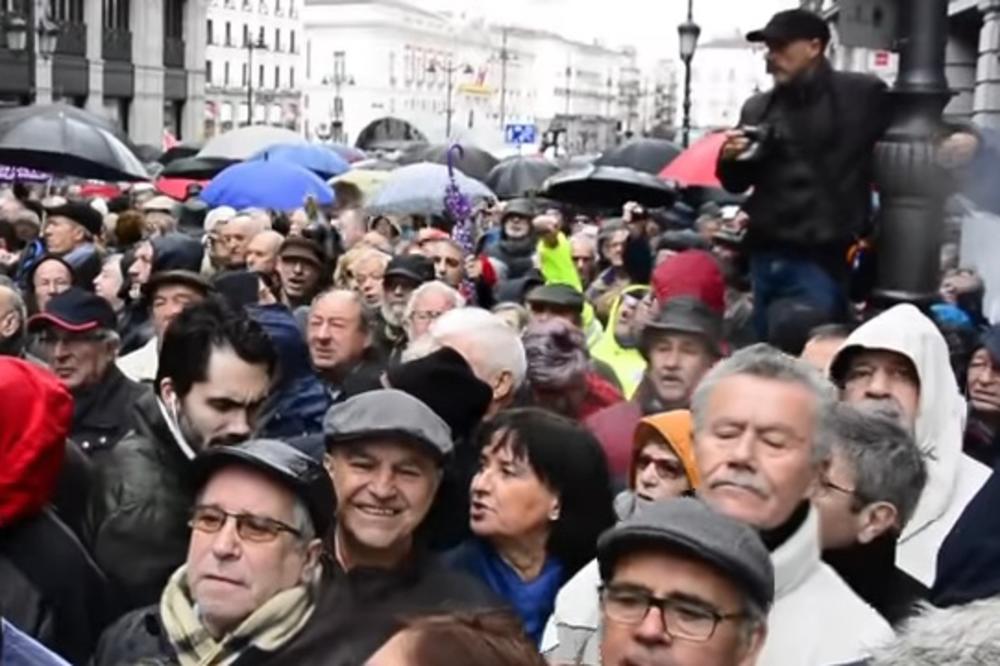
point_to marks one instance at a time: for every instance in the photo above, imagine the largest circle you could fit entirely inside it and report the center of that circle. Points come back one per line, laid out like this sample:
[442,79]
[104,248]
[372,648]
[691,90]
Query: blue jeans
[776,276]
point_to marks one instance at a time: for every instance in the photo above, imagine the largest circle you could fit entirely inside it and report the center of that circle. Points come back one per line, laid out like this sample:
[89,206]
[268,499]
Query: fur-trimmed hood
[966,635]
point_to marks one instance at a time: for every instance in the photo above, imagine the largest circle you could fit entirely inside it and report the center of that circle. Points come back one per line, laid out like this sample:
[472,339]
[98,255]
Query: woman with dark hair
[482,639]
[540,498]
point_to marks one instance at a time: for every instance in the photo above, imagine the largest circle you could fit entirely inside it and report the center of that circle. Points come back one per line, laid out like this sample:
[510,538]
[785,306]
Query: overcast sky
[650,25]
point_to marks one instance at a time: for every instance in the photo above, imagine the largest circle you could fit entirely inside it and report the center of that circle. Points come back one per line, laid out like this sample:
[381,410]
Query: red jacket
[614,427]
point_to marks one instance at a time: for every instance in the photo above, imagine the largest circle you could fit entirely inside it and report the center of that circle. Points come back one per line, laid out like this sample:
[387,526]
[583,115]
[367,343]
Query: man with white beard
[402,277]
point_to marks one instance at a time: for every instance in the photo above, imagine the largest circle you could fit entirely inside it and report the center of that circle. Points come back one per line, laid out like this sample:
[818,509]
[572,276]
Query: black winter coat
[137,514]
[812,186]
[50,588]
[102,414]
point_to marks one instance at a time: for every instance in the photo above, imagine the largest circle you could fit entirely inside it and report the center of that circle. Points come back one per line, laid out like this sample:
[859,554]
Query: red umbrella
[696,165]
[176,188]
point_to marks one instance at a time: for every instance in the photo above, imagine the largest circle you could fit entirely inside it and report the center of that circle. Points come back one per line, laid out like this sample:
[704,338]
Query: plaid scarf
[267,629]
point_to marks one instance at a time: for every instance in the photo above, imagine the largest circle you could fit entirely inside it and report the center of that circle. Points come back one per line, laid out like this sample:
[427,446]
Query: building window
[277,77]
[246,71]
[208,72]
[291,42]
[246,34]
[277,6]
[173,19]
[339,66]
[291,77]
[260,76]
[209,32]
[225,73]
[309,58]
[67,11]
[277,39]
[392,68]
[116,15]
[260,35]
[229,34]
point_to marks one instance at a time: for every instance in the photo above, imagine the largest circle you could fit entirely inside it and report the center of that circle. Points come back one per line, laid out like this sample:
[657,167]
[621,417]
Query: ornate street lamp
[16,30]
[449,69]
[688,32]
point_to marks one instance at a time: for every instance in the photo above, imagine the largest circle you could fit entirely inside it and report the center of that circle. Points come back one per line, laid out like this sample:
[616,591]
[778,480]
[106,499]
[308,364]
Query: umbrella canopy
[176,188]
[21,112]
[609,186]
[419,189]
[62,142]
[147,152]
[649,155]
[199,168]
[349,153]
[276,185]
[368,181]
[696,165]
[520,176]
[179,151]
[319,159]
[474,162]
[245,142]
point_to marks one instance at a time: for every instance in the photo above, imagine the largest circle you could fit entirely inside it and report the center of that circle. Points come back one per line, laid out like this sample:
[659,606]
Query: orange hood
[675,427]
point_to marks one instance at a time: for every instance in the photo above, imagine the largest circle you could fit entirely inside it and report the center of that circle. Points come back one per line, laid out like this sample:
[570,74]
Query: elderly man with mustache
[762,445]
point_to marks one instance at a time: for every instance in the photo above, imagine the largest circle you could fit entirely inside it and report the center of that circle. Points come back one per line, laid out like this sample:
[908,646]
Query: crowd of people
[540,434]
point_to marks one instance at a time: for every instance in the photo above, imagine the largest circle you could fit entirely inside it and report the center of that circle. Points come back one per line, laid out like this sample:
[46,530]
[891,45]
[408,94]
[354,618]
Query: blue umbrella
[274,184]
[419,189]
[318,159]
[349,153]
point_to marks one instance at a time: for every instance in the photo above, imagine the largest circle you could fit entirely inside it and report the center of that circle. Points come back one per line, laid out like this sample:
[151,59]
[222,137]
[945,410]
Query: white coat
[953,478]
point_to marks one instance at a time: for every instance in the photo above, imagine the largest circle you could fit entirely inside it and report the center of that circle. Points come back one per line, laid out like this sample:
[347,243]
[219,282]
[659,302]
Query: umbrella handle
[455,149]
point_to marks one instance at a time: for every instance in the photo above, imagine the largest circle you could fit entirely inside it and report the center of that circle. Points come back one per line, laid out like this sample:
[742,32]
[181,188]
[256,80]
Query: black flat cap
[561,295]
[80,212]
[791,25]
[178,277]
[414,267]
[301,474]
[686,314]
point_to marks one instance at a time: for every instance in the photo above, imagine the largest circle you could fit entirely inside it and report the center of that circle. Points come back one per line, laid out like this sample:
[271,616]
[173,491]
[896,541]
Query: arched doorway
[388,133]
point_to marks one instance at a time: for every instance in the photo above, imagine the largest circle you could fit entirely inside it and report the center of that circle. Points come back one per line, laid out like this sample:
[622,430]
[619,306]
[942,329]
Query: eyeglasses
[52,338]
[682,619]
[666,469]
[255,529]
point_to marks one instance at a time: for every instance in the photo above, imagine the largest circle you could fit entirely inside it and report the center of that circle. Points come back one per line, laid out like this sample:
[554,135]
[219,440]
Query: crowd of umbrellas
[276,168]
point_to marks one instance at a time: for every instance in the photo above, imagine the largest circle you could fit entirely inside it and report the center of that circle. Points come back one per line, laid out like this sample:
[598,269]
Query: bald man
[262,252]
[237,235]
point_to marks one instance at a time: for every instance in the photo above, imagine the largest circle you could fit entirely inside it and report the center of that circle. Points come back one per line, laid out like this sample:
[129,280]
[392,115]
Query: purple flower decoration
[458,206]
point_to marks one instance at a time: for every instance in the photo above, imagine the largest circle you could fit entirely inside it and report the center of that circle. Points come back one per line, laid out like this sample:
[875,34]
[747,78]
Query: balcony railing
[72,39]
[116,45]
[173,52]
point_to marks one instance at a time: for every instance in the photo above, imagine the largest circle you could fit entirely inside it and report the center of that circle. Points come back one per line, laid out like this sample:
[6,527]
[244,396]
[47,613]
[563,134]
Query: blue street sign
[520,134]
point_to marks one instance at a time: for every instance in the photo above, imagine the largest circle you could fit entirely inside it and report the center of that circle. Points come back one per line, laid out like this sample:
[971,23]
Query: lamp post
[449,69]
[36,34]
[910,182]
[252,46]
[688,32]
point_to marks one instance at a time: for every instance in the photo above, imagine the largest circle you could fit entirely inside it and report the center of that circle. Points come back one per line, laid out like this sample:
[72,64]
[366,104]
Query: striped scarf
[268,628]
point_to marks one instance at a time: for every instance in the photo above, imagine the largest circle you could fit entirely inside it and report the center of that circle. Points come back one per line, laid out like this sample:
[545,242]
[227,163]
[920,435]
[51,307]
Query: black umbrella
[147,152]
[649,155]
[520,176]
[475,162]
[16,114]
[179,151]
[197,168]
[609,187]
[59,140]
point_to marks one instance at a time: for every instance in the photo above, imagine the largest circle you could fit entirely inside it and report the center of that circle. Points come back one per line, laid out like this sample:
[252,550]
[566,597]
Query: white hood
[942,410]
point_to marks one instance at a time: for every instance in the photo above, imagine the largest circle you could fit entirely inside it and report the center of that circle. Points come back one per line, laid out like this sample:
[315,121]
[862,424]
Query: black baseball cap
[414,267]
[178,277]
[300,473]
[80,212]
[77,311]
[791,25]
[687,314]
[560,295]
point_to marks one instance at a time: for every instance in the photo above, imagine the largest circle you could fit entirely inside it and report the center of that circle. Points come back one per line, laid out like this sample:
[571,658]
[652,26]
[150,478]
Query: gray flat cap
[689,525]
[387,413]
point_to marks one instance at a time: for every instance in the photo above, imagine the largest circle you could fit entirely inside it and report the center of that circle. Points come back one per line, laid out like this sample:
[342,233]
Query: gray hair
[457,300]
[766,362]
[302,521]
[368,321]
[17,303]
[887,464]
[498,346]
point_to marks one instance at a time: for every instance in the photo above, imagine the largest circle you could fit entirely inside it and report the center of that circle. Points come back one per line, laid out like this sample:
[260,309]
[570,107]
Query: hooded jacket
[626,362]
[297,403]
[572,634]
[49,586]
[953,478]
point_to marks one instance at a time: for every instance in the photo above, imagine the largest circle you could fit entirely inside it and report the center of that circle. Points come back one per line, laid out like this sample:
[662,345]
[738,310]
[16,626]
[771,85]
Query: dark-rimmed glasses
[682,618]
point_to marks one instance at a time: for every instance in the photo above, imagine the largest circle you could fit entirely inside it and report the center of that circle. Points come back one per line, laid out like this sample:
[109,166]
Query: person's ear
[820,472]
[555,509]
[314,551]
[753,645]
[167,393]
[875,520]
[503,386]
[9,325]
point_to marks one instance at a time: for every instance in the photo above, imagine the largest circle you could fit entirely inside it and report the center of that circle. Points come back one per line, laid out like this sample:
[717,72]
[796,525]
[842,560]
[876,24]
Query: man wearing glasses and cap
[683,585]
[805,147]
[251,578]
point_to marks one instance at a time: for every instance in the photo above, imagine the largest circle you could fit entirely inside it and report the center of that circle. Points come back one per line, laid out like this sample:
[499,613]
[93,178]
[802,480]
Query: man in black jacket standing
[805,147]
